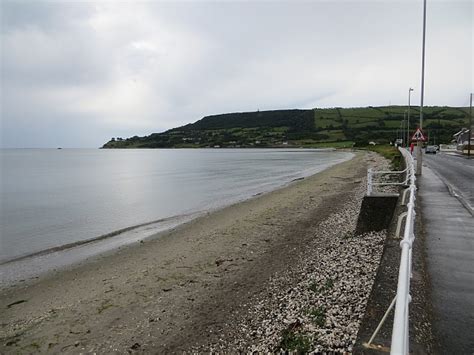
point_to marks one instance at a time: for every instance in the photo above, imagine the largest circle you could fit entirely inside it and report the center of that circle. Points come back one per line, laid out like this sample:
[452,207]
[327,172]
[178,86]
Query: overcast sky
[75,74]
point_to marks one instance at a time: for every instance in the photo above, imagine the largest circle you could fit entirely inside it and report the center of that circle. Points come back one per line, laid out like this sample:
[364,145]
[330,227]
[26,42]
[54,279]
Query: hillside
[337,127]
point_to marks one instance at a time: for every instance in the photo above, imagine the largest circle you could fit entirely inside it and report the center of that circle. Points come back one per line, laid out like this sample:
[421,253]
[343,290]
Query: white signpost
[419,138]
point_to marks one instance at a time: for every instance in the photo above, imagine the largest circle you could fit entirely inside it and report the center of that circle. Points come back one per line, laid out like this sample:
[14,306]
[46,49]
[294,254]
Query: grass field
[320,127]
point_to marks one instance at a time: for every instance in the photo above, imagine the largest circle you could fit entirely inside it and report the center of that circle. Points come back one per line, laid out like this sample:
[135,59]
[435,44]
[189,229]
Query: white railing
[400,330]
[400,333]
[372,182]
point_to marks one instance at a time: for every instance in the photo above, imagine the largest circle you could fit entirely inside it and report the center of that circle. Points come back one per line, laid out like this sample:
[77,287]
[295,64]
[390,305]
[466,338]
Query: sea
[55,201]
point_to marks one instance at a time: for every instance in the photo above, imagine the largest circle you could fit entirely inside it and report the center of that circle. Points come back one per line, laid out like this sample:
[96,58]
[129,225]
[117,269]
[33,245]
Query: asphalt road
[455,171]
[449,230]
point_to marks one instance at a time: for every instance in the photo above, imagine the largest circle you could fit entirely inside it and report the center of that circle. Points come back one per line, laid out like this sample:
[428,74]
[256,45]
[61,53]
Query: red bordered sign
[418,136]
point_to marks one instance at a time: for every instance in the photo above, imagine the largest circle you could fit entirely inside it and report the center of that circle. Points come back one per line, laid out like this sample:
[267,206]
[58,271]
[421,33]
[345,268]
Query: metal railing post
[369,182]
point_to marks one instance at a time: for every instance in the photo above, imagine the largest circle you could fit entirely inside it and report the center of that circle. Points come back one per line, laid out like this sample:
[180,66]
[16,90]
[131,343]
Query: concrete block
[376,212]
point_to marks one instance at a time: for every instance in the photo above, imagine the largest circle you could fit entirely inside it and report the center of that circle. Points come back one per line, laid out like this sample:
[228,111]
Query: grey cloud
[45,15]
[89,71]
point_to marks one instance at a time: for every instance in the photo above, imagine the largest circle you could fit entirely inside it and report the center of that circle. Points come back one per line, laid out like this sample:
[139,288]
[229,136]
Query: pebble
[334,275]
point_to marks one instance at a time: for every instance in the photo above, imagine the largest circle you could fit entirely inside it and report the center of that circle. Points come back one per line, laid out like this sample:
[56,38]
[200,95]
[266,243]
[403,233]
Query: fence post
[369,182]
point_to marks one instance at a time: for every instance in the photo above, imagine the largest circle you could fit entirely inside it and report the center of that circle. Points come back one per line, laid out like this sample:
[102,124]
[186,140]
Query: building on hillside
[461,139]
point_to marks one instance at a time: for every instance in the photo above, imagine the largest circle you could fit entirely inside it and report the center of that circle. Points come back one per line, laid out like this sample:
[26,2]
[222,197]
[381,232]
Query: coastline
[167,293]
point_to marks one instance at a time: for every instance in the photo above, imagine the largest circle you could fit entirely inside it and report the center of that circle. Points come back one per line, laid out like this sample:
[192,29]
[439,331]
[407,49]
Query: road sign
[418,136]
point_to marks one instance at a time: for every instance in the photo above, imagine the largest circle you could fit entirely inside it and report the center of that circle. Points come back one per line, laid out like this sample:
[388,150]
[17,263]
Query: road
[455,171]
[449,230]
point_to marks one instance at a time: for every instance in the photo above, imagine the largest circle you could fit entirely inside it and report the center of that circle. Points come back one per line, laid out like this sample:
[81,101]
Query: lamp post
[404,130]
[419,154]
[401,132]
[470,129]
[408,115]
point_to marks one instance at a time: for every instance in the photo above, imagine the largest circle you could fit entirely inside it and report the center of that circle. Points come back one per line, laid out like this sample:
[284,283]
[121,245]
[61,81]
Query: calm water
[54,197]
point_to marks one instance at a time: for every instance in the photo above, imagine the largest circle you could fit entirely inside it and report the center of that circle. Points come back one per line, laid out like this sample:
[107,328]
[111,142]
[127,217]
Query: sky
[75,74]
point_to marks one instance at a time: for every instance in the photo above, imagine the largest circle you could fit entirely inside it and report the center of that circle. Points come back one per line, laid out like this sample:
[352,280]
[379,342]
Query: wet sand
[181,289]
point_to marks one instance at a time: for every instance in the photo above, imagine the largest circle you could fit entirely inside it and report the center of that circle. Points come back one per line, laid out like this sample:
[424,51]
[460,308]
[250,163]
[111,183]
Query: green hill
[336,127]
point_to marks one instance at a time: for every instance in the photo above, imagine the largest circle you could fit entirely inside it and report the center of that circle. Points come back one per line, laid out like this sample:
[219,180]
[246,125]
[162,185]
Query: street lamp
[419,154]
[405,134]
[470,129]
[401,132]
[408,121]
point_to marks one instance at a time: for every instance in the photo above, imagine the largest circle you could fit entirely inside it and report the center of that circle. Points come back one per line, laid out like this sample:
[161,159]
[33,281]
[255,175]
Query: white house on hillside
[461,138]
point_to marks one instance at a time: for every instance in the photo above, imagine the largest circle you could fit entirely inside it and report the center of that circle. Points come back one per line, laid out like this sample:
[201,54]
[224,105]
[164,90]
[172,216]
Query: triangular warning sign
[418,136]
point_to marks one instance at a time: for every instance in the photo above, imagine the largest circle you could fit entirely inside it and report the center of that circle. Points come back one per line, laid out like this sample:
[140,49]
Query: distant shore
[195,285]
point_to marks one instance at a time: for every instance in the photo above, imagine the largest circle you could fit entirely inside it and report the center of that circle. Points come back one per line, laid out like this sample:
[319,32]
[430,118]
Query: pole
[419,154]
[408,118]
[405,141]
[404,129]
[470,129]
[369,182]
[423,65]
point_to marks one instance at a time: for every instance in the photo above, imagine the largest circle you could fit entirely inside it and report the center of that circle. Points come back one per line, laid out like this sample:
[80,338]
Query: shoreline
[167,293]
[87,241]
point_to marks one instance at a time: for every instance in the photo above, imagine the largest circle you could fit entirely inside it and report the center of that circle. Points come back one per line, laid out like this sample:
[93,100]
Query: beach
[234,279]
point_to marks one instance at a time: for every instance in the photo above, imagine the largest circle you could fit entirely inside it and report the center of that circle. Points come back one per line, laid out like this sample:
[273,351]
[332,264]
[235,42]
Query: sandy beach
[215,282]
